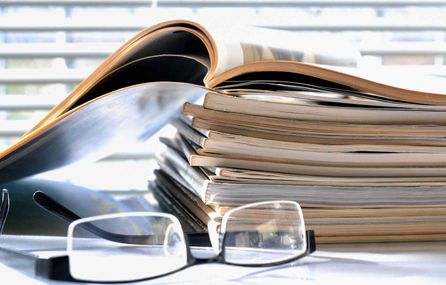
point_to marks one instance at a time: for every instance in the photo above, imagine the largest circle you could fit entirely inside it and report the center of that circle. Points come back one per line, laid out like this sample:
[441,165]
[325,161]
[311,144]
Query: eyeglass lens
[264,233]
[154,246]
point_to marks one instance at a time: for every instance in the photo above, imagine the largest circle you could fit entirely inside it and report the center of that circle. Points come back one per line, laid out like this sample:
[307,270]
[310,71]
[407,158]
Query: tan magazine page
[404,86]
[219,47]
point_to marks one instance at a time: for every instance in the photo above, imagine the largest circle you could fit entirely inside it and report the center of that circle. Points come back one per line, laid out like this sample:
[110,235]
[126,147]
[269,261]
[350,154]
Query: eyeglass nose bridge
[4,208]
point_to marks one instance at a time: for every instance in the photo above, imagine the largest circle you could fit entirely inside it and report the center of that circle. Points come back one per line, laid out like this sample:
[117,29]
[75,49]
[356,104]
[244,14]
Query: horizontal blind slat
[15,128]
[57,49]
[28,50]
[28,102]
[304,25]
[76,3]
[224,3]
[403,48]
[42,76]
[365,25]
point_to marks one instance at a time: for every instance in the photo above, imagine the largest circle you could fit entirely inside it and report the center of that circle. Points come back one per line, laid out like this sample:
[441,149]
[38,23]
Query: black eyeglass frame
[57,267]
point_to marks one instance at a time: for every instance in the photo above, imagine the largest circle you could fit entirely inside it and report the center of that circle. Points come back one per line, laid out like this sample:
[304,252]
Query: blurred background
[49,46]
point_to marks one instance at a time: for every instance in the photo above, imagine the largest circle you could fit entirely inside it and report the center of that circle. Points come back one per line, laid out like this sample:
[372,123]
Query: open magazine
[142,84]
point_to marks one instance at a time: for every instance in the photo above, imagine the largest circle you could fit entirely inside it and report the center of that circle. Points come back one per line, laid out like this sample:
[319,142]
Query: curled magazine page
[241,44]
[262,44]
[97,128]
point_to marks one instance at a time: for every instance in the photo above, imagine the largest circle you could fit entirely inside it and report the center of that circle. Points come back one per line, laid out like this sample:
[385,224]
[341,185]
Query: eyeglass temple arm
[60,211]
[4,208]
[311,241]
[57,209]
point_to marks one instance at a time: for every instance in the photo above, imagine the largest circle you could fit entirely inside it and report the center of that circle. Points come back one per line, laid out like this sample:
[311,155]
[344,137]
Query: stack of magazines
[363,166]
[281,116]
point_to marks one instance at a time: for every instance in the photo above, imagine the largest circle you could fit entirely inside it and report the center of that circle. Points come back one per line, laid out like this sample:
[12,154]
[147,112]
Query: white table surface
[398,263]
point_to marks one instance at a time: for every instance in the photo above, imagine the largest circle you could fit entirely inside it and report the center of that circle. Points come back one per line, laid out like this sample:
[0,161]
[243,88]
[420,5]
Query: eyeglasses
[136,246]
